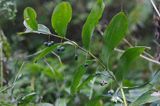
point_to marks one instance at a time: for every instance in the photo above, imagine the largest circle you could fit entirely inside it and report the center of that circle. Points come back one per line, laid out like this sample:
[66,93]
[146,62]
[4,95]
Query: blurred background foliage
[48,81]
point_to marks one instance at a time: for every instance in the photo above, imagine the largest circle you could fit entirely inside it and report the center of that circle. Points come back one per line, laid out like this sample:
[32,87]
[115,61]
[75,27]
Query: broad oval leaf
[61,16]
[91,22]
[30,18]
[126,60]
[147,97]
[77,78]
[115,31]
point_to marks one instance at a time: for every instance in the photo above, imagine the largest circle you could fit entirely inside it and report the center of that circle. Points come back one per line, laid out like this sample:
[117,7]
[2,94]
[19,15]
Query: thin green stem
[33,82]
[1,64]
[142,56]
[59,59]
[1,57]
[91,91]
[129,44]
[123,96]
[18,73]
[150,57]
[14,82]
[88,52]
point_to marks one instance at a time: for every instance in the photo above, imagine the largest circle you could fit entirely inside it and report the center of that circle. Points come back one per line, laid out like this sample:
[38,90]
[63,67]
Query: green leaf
[27,98]
[33,68]
[45,52]
[5,44]
[127,59]
[155,79]
[30,18]
[95,102]
[91,22]
[6,103]
[42,29]
[131,54]
[115,31]
[61,102]
[86,81]
[147,97]
[61,16]
[77,78]
[44,104]
[54,74]
[139,14]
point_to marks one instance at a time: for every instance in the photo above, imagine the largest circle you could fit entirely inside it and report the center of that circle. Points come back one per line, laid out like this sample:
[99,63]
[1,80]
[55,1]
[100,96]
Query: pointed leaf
[147,97]
[91,22]
[86,81]
[54,74]
[77,78]
[30,18]
[45,52]
[6,45]
[126,60]
[61,16]
[115,31]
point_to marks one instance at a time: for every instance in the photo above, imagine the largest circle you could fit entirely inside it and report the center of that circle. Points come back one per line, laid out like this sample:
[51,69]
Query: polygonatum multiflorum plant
[114,34]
